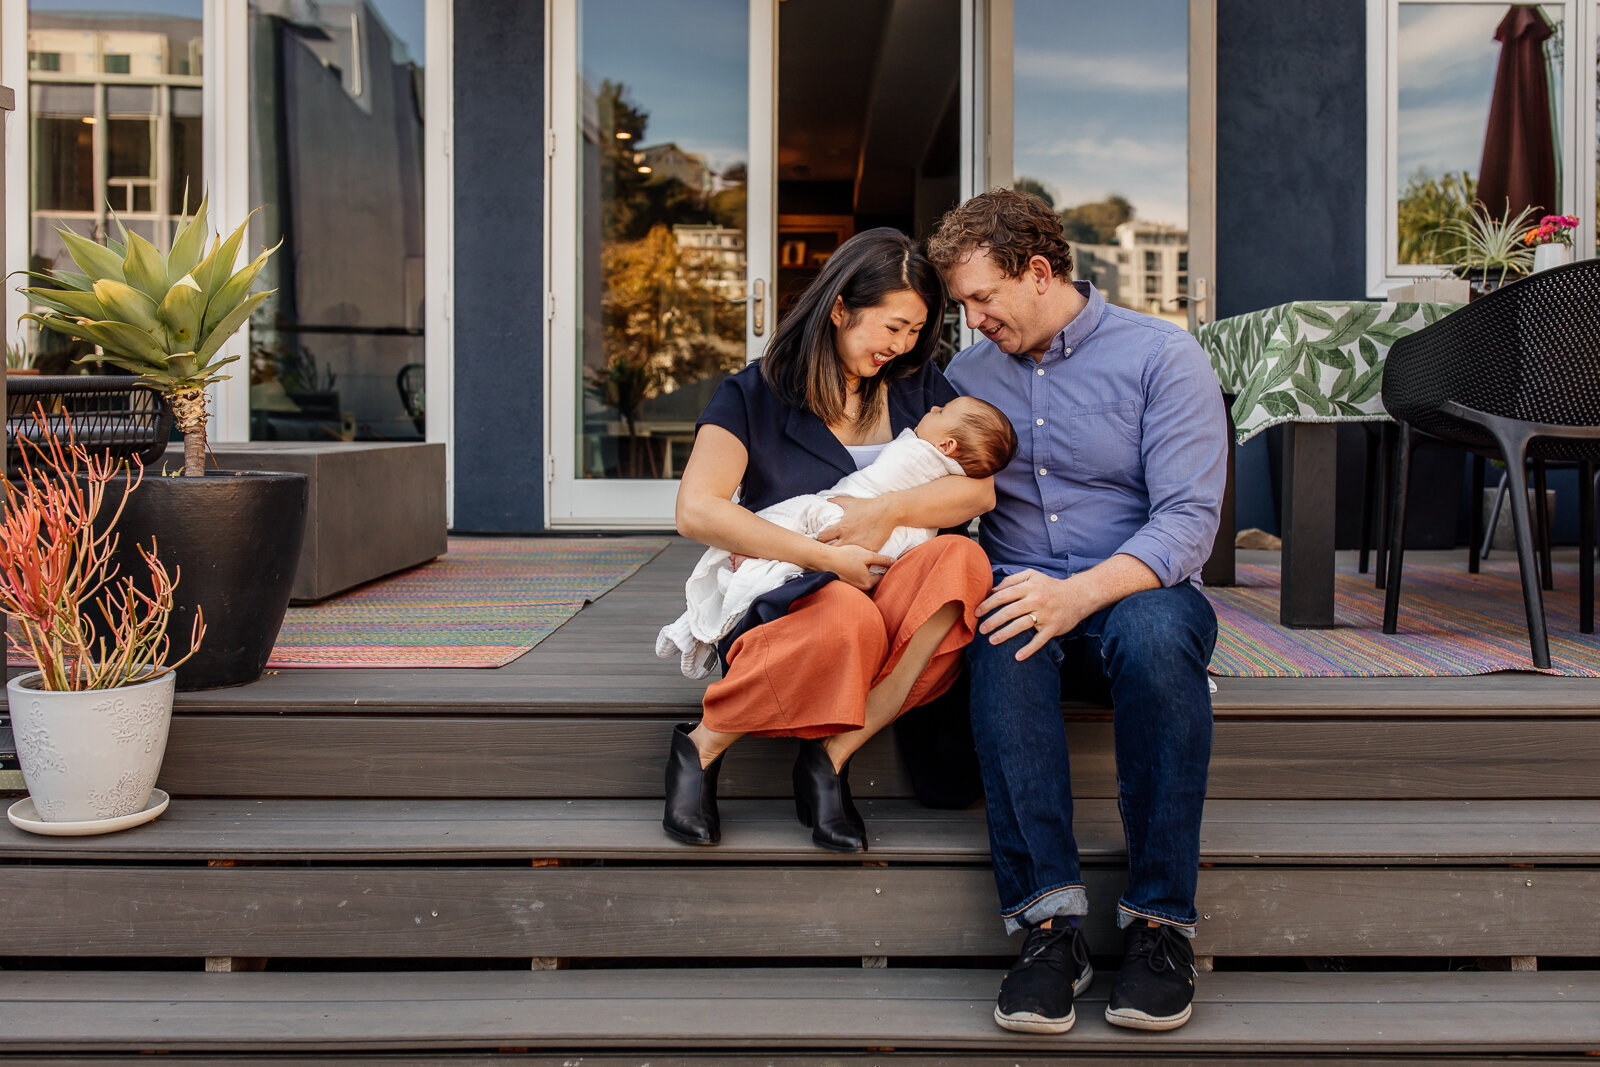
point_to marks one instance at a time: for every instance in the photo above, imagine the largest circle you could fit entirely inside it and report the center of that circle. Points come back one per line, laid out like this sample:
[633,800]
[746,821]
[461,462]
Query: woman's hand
[865,522]
[852,564]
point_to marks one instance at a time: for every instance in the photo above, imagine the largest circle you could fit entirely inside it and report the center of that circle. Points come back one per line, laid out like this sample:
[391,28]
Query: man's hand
[853,564]
[1053,606]
[865,522]
[1029,600]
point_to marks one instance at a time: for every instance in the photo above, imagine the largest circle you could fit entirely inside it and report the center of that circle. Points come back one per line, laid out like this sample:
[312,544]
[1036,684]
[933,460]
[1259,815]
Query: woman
[838,654]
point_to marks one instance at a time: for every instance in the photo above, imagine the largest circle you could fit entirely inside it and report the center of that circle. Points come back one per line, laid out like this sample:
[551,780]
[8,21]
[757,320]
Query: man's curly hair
[1011,226]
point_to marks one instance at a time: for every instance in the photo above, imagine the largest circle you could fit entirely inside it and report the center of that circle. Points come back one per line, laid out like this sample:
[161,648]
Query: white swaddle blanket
[718,595]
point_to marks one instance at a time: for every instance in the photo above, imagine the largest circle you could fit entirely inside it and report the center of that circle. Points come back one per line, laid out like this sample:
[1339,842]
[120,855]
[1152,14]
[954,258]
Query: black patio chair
[1515,376]
[112,413]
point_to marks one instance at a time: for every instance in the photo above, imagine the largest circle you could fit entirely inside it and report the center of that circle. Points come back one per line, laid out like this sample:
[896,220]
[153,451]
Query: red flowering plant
[1552,230]
[56,567]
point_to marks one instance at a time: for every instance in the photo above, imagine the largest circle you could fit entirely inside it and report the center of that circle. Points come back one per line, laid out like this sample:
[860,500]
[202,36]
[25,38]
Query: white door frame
[1575,147]
[988,28]
[617,503]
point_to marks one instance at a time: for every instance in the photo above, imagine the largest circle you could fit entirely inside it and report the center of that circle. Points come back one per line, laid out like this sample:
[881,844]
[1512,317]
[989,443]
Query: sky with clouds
[686,63]
[1447,56]
[1102,102]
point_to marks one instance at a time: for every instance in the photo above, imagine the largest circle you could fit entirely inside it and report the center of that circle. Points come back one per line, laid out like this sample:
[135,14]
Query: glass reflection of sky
[1101,102]
[1447,57]
[684,64]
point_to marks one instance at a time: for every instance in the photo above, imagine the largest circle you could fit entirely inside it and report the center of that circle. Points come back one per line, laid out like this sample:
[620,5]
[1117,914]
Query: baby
[966,436]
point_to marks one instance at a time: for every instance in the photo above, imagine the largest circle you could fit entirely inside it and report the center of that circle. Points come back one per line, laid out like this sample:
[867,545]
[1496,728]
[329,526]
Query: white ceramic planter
[1551,255]
[93,754]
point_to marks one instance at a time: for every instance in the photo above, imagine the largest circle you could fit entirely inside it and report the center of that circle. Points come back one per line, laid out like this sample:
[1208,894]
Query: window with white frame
[1432,150]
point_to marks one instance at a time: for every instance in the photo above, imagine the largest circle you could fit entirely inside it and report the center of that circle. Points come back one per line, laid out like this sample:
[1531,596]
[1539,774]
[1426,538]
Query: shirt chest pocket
[1105,438]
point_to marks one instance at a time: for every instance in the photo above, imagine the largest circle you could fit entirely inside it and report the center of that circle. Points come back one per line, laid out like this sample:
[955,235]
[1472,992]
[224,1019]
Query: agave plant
[163,317]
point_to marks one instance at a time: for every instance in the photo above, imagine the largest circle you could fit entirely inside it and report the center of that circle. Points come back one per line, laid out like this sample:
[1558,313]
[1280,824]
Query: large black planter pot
[233,537]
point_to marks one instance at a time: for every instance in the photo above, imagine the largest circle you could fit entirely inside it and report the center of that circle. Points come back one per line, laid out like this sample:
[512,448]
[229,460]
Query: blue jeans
[1146,656]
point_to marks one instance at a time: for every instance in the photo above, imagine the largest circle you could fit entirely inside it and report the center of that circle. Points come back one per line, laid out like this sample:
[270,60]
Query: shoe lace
[1046,946]
[1163,947]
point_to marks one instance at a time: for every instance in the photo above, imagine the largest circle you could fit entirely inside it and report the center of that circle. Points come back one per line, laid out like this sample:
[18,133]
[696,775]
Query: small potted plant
[1551,241]
[90,722]
[236,534]
[19,359]
[1488,251]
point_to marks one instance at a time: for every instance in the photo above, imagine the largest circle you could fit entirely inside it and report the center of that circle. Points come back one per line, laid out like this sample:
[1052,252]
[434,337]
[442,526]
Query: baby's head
[973,432]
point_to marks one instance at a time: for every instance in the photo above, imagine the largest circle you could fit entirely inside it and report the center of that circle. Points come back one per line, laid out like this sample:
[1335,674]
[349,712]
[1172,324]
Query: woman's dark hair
[801,363]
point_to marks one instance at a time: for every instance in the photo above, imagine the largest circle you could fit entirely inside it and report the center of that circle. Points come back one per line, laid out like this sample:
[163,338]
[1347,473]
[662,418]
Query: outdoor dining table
[1309,365]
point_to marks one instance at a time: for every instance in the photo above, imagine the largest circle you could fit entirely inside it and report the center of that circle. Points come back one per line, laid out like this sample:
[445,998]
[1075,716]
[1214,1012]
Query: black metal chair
[1514,375]
[118,414]
[410,382]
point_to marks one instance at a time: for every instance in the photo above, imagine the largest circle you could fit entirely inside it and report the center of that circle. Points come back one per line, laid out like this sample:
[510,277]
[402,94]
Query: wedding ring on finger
[1034,619]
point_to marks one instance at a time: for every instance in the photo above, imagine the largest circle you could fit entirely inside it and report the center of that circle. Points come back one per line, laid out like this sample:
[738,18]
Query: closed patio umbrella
[1519,152]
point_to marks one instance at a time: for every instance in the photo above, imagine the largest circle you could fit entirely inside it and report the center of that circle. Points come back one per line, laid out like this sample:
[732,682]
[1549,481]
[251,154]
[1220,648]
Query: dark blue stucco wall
[1291,187]
[499,266]
[1291,152]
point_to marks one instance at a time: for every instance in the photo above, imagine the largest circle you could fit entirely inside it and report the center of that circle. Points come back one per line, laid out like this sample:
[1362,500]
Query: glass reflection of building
[335,164]
[336,161]
[115,125]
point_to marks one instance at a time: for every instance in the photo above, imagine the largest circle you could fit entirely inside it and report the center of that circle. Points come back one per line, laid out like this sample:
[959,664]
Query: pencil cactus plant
[165,317]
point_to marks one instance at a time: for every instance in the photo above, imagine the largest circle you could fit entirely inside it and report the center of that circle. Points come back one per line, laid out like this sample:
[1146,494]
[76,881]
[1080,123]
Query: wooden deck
[399,849]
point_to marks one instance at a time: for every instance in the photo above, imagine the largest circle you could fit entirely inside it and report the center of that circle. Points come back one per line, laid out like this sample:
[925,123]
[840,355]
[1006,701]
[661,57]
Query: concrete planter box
[1504,533]
[372,508]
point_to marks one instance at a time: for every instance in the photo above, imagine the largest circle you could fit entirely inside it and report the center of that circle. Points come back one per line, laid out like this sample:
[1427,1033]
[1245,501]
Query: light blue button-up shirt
[1122,446]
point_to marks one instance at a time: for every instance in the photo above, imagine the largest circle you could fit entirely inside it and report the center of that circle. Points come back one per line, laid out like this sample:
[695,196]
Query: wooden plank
[1248,832]
[1342,1014]
[652,1058]
[780,912]
[563,757]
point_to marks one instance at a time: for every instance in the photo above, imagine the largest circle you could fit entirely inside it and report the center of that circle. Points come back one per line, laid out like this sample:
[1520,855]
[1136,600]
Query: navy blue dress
[792,452]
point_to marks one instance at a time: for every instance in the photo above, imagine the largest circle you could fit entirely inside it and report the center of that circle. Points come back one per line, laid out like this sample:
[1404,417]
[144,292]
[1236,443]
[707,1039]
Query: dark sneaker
[1036,994]
[1155,988]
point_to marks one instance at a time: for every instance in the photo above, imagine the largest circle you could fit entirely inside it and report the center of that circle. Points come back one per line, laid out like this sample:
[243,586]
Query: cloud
[1153,175]
[1442,137]
[1040,69]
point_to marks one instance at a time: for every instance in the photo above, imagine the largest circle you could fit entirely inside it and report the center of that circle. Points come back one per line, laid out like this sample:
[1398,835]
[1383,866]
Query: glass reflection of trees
[671,305]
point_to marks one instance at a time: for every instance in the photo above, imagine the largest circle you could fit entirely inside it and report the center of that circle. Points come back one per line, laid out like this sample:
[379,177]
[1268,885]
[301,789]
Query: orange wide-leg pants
[808,673]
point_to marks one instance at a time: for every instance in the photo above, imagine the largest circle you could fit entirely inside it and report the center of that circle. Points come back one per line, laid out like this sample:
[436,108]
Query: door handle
[758,304]
[1199,300]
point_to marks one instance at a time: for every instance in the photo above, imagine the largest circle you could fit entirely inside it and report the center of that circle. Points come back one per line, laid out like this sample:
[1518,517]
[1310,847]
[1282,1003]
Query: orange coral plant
[56,565]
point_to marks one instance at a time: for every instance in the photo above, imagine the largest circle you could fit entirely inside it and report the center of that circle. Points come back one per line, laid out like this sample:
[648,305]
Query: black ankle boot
[691,814]
[822,801]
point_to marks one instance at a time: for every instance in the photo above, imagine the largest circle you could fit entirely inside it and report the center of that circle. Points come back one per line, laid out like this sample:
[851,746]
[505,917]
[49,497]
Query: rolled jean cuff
[1062,900]
[1127,916]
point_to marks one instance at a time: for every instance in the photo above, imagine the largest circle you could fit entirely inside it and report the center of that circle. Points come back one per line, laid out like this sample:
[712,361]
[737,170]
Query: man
[1100,529]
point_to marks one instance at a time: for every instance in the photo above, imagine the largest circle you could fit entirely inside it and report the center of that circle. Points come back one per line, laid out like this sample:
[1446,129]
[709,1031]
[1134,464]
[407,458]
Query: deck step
[1346,1014]
[1256,832]
[598,880]
[481,755]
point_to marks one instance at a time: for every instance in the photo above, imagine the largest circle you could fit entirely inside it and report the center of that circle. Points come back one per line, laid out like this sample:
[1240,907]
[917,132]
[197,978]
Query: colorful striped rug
[483,604]
[1451,623]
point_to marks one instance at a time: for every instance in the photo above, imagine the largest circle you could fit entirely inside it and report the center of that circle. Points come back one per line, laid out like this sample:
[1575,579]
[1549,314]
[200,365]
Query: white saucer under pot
[91,755]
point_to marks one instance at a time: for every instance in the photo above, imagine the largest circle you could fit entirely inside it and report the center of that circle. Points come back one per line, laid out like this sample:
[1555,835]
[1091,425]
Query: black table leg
[1219,566]
[1310,456]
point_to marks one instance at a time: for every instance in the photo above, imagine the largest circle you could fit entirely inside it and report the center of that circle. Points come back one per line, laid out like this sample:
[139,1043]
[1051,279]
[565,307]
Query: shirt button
[1066,352]
[1038,422]
[1053,518]
[1042,472]
[1040,372]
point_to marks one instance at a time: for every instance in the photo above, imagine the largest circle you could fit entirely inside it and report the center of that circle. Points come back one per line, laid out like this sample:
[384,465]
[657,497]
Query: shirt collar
[1078,330]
